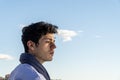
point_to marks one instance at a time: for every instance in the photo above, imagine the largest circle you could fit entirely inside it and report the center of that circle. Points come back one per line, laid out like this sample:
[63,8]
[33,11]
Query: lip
[52,53]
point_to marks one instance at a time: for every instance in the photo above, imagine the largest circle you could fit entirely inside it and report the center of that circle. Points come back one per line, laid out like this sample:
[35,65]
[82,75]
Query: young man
[39,44]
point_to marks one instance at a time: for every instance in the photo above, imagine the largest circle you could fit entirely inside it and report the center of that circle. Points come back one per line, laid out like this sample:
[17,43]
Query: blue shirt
[25,72]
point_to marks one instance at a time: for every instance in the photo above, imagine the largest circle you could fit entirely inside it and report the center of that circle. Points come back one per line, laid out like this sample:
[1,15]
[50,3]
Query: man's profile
[39,44]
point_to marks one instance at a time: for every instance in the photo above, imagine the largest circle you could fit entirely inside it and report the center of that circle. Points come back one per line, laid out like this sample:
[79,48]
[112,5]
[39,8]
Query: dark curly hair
[35,31]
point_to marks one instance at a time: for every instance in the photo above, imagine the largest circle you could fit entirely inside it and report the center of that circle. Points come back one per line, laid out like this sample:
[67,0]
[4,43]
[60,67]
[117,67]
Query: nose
[52,46]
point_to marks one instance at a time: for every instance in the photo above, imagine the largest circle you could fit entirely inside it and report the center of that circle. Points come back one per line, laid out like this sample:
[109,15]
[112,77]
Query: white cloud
[67,35]
[5,57]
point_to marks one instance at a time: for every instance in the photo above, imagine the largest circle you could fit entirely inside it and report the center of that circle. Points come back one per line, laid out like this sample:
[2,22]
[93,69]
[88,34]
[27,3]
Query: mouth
[52,53]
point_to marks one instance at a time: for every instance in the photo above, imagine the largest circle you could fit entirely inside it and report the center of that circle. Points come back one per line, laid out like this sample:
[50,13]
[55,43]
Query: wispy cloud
[5,57]
[67,35]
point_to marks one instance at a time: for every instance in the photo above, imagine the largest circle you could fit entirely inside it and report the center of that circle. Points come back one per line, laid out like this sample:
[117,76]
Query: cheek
[46,47]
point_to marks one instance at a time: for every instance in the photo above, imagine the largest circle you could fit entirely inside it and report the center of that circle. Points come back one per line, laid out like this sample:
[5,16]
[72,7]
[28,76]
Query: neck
[40,61]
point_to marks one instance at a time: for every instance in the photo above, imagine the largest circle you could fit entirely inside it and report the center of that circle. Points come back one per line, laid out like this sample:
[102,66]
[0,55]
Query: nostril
[53,46]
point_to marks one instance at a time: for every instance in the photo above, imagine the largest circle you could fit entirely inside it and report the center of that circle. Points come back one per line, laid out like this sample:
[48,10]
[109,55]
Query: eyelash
[48,41]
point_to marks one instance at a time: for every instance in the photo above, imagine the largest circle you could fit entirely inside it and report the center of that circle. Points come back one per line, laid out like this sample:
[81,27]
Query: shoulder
[25,72]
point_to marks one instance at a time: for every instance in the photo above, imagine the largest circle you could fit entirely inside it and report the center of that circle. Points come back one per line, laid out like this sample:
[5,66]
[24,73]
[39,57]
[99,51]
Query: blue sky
[88,44]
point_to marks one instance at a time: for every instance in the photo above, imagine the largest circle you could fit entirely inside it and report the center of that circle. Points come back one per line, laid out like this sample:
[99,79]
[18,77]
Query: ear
[31,45]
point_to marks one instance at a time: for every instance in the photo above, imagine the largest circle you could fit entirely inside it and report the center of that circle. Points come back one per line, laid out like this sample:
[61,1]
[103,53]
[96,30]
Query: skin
[44,50]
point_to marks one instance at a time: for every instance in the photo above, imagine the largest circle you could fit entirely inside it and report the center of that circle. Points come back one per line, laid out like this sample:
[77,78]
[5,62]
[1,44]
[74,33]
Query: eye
[50,41]
[47,40]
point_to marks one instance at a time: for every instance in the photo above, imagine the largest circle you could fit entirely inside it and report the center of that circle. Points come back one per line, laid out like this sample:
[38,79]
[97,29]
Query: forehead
[48,35]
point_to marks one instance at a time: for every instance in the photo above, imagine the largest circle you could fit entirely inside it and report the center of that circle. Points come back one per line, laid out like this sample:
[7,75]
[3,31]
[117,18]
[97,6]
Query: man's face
[44,50]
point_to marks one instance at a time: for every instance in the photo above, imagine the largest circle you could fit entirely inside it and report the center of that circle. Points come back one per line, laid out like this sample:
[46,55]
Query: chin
[50,59]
